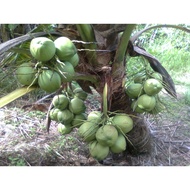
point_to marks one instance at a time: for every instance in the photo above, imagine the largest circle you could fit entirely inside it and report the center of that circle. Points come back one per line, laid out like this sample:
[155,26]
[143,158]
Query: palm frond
[136,35]
[6,46]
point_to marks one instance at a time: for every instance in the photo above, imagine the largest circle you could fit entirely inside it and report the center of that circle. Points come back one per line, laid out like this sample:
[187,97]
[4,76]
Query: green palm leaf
[15,95]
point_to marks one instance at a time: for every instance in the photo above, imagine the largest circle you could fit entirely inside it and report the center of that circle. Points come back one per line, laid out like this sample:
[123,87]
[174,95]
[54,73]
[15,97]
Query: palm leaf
[15,95]
[4,47]
[136,35]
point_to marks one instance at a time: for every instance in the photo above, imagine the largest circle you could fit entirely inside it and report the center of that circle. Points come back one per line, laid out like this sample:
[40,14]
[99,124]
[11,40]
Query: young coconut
[65,49]
[134,90]
[157,76]
[78,120]
[123,122]
[95,116]
[107,135]
[146,102]
[74,60]
[53,114]
[60,101]
[136,108]
[140,78]
[98,151]
[65,116]
[64,129]
[88,131]
[77,106]
[66,71]
[120,144]
[152,86]
[25,74]
[42,48]
[49,81]
[80,93]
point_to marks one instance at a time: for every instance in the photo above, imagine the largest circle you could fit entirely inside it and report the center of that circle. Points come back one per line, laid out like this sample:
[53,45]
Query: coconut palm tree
[103,51]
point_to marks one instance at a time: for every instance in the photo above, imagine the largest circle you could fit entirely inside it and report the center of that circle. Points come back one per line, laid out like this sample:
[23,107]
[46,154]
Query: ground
[24,140]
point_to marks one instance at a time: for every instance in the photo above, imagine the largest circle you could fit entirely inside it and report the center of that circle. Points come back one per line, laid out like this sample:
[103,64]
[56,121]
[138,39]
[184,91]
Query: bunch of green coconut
[144,91]
[105,134]
[52,63]
[69,109]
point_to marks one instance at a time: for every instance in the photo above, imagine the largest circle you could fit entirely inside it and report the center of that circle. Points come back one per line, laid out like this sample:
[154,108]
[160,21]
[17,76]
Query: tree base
[139,137]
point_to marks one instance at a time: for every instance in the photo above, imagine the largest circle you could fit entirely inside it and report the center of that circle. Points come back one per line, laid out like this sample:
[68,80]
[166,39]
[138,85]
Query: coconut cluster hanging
[69,109]
[144,91]
[53,63]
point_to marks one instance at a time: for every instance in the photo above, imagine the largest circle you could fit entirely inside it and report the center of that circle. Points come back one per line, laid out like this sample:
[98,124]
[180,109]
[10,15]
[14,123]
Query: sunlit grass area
[171,48]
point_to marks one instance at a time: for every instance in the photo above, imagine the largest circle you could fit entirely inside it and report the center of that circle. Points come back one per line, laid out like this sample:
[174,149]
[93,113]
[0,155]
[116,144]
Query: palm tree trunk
[115,75]
[139,138]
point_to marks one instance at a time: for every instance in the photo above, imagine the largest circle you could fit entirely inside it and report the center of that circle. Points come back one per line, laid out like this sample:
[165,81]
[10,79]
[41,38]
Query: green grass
[7,81]
[171,48]
[176,62]
[187,96]
[16,161]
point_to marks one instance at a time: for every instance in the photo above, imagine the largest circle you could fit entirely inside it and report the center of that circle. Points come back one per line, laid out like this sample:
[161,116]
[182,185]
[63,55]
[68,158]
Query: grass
[187,97]
[7,84]
[16,161]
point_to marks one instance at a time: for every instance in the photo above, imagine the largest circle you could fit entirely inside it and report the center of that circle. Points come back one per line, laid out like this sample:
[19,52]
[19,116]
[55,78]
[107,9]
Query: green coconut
[152,86]
[139,78]
[134,90]
[64,129]
[157,76]
[98,151]
[26,74]
[120,144]
[146,102]
[60,101]
[107,135]
[65,49]
[78,120]
[74,60]
[49,81]
[95,116]
[88,131]
[42,48]
[66,71]
[136,108]
[80,93]
[77,106]
[123,122]
[65,116]
[53,114]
